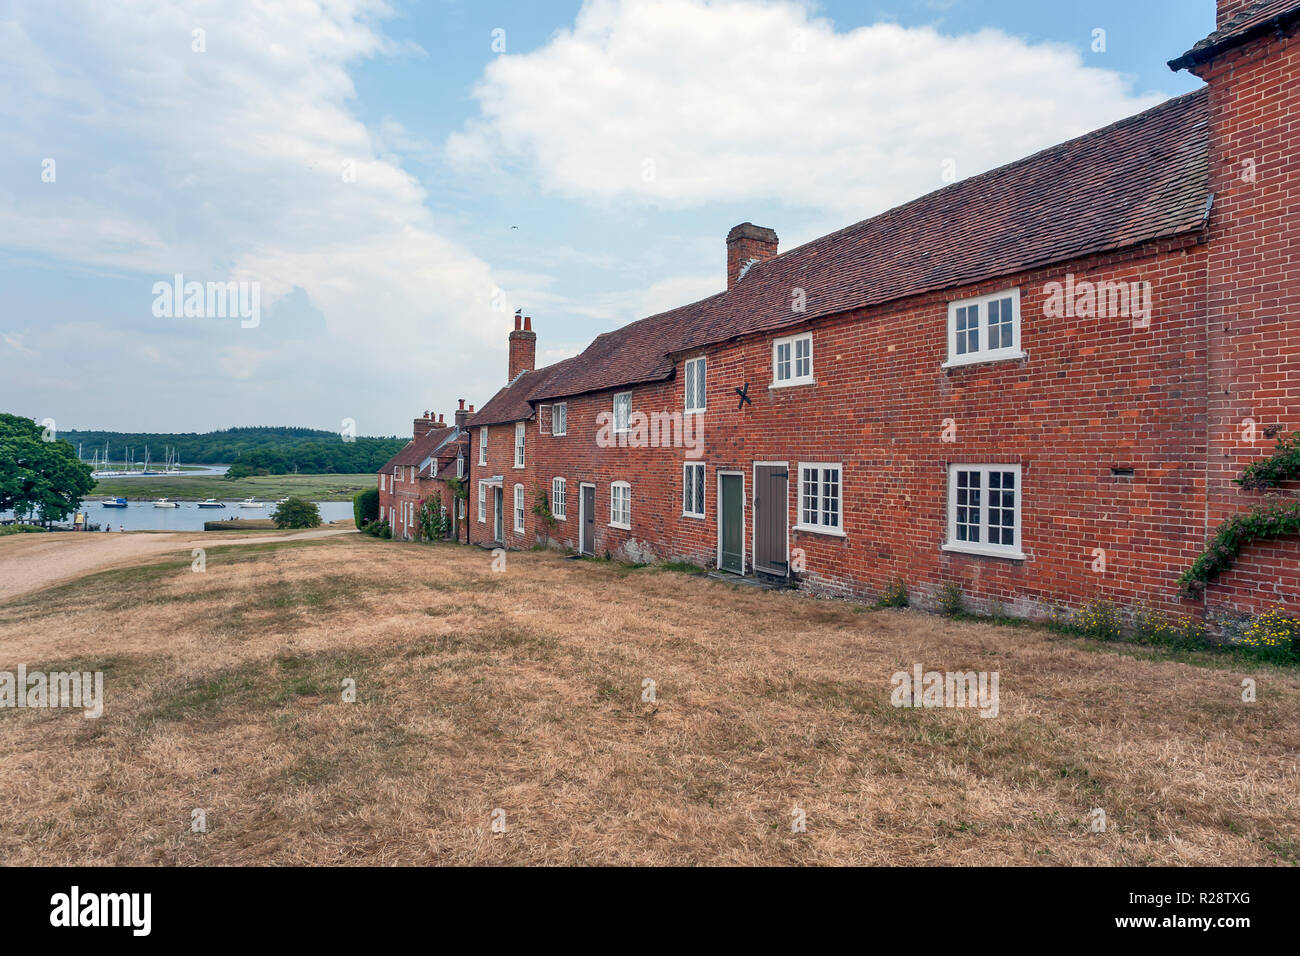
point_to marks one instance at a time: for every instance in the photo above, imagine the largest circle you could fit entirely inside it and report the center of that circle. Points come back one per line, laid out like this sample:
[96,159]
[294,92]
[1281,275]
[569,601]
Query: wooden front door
[497,528]
[588,543]
[731,527]
[771,516]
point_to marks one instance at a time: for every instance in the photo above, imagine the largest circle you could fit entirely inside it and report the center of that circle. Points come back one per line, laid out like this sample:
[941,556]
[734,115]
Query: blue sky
[587,173]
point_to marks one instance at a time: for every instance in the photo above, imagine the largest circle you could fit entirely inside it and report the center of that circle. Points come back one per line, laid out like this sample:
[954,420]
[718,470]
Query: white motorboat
[164,503]
[252,503]
[211,503]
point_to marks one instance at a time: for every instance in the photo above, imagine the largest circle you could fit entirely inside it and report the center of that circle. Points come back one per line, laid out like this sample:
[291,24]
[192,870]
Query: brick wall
[1253,299]
[1093,394]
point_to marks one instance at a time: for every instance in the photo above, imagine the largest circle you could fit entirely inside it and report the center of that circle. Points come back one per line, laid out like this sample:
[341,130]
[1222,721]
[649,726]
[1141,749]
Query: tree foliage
[295,512]
[39,477]
[306,450]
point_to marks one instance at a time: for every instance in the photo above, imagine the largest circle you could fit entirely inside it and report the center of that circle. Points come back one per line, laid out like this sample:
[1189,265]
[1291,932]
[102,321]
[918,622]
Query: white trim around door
[718,508]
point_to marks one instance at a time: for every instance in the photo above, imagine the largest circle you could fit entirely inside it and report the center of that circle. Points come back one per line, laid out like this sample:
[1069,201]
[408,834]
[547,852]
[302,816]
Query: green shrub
[1099,619]
[365,506]
[295,512]
[19,529]
[895,595]
[950,599]
[434,525]
[1273,634]
[1153,627]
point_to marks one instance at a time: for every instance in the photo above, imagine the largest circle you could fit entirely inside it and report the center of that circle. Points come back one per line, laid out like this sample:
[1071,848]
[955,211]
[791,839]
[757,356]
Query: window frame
[560,493]
[627,425]
[482,502]
[983,548]
[520,510]
[820,527]
[560,413]
[482,444]
[700,366]
[699,487]
[985,354]
[794,379]
[460,467]
[615,486]
[521,457]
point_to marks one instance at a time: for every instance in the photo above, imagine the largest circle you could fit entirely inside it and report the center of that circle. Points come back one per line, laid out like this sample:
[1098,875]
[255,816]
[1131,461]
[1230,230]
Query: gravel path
[30,562]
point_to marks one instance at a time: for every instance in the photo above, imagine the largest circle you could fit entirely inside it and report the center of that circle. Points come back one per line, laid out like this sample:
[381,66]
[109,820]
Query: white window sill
[519,467]
[985,551]
[558,434]
[983,358]
[621,527]
[794,383]
[688,514]
[818,529]
[559,517]
[694,411]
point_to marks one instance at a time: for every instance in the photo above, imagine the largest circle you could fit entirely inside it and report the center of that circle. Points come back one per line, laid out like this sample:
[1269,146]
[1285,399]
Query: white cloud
[229,164]
[739,100]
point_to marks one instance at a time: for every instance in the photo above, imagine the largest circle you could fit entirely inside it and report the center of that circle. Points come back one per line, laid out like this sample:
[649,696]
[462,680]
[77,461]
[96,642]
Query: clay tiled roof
[1251,21]
[511,404]
[414,452]
[1142,178]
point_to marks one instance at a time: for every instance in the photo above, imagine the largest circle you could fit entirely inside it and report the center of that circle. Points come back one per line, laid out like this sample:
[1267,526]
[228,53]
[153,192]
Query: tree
[296,512]
[39,476]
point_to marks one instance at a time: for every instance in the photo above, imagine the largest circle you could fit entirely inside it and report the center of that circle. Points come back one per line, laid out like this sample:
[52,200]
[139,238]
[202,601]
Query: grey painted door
[731,512]
[770,517]
[497,529]
[588,545]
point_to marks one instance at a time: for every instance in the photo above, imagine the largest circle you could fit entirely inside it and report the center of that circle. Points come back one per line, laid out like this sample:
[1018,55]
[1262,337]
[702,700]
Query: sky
[386,182]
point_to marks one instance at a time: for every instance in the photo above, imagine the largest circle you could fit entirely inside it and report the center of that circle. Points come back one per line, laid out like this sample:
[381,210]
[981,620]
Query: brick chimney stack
[746,245]
[523,347]
[1227,9]
[423,424]
[462,414]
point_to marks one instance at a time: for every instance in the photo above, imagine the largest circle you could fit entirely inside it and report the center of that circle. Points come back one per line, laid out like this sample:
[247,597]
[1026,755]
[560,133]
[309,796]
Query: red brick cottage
[1037,383]
[423,471]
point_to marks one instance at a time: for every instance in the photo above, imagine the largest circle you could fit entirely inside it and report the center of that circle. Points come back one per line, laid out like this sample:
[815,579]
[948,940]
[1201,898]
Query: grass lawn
[267,487]
[523,691]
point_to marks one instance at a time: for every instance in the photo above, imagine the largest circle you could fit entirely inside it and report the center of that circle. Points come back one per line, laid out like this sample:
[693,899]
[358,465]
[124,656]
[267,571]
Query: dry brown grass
[522,691]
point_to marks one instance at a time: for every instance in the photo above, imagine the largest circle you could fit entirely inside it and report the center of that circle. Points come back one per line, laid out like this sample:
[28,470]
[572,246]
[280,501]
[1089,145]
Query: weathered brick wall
[1253,299]
[500,461]
[1171,401]
[1094,393]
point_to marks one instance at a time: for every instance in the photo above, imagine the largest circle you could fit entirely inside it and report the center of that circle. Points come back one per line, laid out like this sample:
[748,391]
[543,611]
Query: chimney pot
[523,348]
[462,403]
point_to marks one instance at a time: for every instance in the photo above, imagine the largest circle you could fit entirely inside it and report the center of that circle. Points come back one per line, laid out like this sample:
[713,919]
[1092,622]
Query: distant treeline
[255,450]
[334,457]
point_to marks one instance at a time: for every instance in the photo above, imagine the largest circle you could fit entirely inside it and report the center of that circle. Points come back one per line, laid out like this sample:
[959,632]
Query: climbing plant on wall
[1271,519]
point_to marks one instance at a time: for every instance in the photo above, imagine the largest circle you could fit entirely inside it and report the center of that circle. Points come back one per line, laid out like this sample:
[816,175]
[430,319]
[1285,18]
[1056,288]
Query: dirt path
[30,562]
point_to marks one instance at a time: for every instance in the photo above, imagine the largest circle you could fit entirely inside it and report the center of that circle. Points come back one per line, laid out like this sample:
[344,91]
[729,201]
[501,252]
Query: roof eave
[1195,57]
